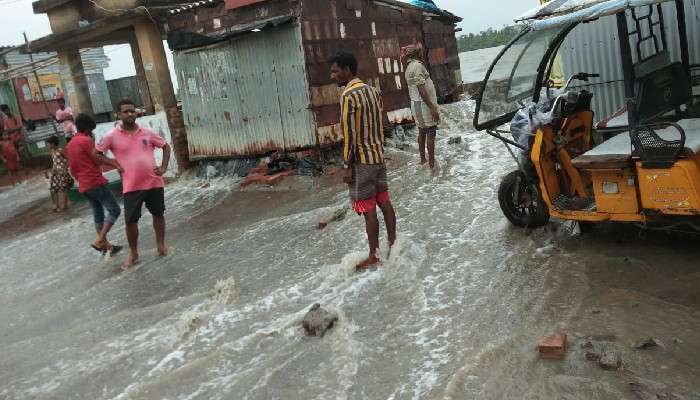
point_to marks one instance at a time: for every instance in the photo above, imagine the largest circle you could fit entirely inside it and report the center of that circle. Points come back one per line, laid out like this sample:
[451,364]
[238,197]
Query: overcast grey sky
[479,15]
[16,16]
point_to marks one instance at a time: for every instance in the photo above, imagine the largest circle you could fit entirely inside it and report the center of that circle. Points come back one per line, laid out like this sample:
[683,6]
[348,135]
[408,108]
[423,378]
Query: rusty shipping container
[254,74]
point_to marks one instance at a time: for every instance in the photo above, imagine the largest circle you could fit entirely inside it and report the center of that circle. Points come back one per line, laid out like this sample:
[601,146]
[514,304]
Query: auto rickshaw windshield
[512,79]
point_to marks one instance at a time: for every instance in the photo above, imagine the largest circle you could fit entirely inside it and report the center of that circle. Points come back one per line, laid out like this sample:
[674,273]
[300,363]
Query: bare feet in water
[369,263]
[162,251]
[131,261]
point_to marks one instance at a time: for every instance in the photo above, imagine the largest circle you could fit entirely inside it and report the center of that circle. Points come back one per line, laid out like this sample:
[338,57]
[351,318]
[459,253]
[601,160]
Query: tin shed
[26,88]
[254,74]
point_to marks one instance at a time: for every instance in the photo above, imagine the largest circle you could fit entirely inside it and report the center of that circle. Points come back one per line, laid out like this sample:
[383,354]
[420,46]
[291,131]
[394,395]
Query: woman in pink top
[64,116]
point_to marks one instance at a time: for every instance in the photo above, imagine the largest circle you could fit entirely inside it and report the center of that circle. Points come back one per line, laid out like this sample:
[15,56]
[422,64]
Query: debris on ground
[677,340]
[273,169]
[338,215]
[553,346]
[610,359]
[648,344]
[318,321]
[592,356]
[455,140]
[264,179]
[648,390]
[603,351]
[309,167]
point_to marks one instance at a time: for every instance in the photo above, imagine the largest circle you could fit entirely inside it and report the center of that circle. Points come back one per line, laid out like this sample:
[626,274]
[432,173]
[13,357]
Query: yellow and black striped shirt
[362,124]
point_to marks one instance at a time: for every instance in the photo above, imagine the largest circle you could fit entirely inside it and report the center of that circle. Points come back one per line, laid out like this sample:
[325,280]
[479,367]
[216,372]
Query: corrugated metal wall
[374,31]
[7,95]
[124,88]
[247,96]
[99,94]
[595,48]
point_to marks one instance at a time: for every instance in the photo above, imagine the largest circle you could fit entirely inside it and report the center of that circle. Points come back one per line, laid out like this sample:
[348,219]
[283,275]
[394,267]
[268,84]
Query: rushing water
[455,312]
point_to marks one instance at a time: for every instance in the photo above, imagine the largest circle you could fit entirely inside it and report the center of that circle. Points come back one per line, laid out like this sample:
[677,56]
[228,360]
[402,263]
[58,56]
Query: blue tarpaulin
[425,4]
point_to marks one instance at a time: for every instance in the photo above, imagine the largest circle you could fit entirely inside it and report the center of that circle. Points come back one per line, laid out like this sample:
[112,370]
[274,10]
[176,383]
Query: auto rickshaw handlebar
[581,76]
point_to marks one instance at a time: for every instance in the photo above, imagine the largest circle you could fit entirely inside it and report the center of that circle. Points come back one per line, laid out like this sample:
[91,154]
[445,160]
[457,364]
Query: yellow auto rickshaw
[644,167]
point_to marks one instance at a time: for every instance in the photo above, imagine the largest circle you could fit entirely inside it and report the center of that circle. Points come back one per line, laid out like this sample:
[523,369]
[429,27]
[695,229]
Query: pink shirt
[68,125]
[135,154]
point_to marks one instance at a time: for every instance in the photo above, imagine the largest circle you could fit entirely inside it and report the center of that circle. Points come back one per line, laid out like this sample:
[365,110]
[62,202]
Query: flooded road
[456,311]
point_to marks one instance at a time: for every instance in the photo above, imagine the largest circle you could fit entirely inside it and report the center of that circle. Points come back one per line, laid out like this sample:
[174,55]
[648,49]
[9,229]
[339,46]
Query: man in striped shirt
[363,152]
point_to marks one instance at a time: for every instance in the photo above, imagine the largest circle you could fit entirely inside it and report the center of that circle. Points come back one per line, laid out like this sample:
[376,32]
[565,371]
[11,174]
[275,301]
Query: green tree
[487,38]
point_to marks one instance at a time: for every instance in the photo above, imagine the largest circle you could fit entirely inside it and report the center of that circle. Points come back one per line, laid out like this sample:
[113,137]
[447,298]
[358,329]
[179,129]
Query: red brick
[263,179]
[553,346]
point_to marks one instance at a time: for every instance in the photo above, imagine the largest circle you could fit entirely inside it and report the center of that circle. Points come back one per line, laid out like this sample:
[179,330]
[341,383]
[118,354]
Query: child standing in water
[60,179]
[10,157]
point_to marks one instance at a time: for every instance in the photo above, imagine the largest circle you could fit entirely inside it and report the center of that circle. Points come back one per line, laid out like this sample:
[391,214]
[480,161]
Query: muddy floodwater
[455,312]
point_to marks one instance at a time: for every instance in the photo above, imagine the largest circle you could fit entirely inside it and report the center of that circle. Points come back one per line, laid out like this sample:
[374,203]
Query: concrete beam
[155,67]
[43,6]
[73,75]
[155,64]
[96,31]
[141,77]
[64,18]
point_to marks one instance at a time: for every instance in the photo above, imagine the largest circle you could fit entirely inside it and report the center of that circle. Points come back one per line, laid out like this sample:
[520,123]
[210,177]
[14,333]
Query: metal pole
[627,69]
[683,36]
[41,90]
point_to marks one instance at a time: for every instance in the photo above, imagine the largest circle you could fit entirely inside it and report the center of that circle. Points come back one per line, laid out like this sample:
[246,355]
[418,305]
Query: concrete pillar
[141,78]
[73,76]
[160,86]
[64,18]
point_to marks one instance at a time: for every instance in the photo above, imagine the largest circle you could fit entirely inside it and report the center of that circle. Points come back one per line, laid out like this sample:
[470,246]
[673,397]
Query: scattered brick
[553,346]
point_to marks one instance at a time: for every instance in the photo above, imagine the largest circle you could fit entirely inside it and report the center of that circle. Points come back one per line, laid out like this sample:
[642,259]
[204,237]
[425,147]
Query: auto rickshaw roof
[564,12]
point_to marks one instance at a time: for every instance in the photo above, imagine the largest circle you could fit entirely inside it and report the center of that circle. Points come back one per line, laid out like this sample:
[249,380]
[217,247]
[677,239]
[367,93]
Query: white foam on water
[226,291]
[190,197]
[176,356]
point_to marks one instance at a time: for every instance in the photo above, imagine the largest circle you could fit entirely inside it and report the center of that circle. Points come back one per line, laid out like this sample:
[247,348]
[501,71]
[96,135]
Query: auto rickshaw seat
[617,153]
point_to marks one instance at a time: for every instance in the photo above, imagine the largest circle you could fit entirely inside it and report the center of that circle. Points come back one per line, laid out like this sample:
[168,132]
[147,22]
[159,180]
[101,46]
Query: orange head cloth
[411,51]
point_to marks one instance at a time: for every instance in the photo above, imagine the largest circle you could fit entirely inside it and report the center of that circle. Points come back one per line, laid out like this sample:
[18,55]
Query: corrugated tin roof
[196,4]
[400,3]
[595,48]
[94,60]
[558,13]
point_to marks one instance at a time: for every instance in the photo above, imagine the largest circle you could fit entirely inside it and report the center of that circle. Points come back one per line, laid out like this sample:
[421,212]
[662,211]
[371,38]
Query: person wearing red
[9,157]
[14,127]
[85,165]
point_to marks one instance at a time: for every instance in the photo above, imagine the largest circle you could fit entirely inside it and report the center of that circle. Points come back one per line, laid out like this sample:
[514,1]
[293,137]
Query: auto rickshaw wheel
[521,201]
[585,227]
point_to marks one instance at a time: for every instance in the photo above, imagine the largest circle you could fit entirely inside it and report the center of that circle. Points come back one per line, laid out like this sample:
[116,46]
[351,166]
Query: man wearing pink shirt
[142,179]
[64,116]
